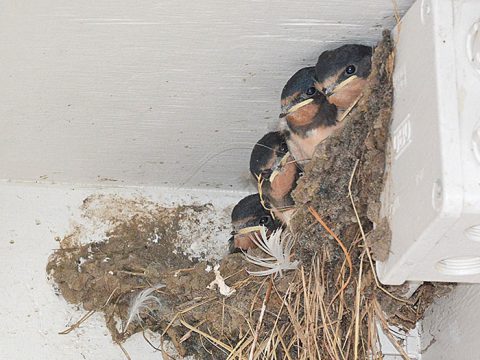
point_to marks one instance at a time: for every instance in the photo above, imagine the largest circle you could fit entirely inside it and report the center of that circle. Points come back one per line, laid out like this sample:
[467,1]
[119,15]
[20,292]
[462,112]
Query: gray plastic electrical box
[432,197]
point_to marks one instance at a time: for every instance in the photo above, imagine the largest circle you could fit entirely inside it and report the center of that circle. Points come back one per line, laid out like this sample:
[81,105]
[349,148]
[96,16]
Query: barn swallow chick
[342,74]
[307,117]
[248,216]
[276,173]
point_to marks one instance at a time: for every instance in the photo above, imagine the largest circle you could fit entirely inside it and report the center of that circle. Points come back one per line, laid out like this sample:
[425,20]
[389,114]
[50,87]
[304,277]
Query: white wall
[451,326]
[156,92]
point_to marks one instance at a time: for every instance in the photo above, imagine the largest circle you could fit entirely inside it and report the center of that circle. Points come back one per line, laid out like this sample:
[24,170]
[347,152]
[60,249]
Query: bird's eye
[264,220]
[350,70]
[310,91]
[300,174]
[266,174]
[284,148]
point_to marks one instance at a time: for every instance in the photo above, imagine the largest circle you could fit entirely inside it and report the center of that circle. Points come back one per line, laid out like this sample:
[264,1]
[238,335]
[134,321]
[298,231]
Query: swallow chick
[248,216]
[307,116]
[342,73]
[276,173]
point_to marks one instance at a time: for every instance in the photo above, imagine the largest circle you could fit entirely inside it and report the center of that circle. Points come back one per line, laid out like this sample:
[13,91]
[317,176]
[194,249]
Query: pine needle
[342,246]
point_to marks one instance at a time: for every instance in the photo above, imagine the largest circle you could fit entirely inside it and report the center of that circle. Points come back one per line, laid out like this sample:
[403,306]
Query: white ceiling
[157,92]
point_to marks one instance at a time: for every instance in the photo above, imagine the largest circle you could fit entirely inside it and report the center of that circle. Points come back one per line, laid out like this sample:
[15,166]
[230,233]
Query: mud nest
[327,309]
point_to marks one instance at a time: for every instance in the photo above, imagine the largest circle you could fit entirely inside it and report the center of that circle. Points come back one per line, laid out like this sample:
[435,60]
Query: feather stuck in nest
[145,301]
[278,246]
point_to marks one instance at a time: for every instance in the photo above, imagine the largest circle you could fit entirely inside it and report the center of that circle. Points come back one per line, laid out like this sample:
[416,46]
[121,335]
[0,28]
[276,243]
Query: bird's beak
[332,89]
[295,107]
[280,165]
[274,175]
[249,229]
[242,240]
[231,246]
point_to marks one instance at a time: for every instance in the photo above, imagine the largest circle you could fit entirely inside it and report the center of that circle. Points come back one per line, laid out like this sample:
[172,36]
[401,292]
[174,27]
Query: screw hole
[476,144]
[461,265]
[425,10]
[473,233]
[473,46]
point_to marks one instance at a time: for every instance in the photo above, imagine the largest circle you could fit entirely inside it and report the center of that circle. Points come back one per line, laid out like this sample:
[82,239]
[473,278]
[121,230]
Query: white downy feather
[279,247]
[145,300]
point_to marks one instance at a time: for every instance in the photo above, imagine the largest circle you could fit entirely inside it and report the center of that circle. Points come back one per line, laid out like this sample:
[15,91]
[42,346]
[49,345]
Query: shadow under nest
[327,309]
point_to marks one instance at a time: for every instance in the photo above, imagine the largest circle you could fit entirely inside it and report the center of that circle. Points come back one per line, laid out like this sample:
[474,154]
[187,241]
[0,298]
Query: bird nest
[328,308]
